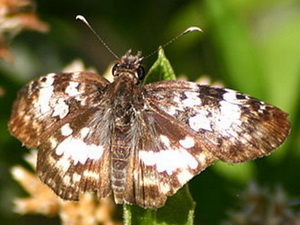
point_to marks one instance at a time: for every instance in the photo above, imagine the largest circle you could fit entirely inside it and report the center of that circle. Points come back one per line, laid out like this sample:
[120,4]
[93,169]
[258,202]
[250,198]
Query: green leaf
[161,69]
[179,210]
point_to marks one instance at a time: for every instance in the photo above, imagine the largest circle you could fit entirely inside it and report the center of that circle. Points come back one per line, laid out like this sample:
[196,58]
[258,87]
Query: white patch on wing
[78,151]
[76,177]
[262,107]
[66,130]
[171,110]
[164,188]
[66,179]
[149,180]
[76,74]
[230,96]
[49,79]
[192,99]
[200,121]
[44,97]
[168,160]
[84,132]
[91,174]
[51,182]
[63,164]
[229,114]
[72,88]
[183,176]
[201,158]
[148,157]
[61,109]
[177,99]
[187,142]
[165,140]
[53,142]
[45,93]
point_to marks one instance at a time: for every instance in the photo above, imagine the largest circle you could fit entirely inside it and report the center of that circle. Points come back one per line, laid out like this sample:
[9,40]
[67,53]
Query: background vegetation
[249,45]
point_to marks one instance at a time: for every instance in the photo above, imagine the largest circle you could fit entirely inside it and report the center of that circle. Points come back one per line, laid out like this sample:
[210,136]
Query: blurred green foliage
[251,46]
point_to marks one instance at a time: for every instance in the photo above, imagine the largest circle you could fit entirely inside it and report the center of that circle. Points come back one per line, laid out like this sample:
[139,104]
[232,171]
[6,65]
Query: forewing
[233,126]
[165,158]
[46,103]
[66,117]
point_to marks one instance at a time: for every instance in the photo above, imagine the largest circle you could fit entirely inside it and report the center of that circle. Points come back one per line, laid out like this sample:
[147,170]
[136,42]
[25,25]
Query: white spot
[91,174]
[51,160]
[61,109]
[171,110]
[66,179]
[66,130]
[164,187]
[187,142]
[72,89]
[79,151]
[44,97]
[177,99]
[45,93]
[49,79]
[76,177]
[262,107]
[192,99]
[168,160]
[53,142]
[201,158]
[149,180]
[200,121]
[76,74]
[51,182]
[84,132]
[148,157]
[184,176]
[230,96]
[26,117]
[229,114]
[135,175]
[63,164]
[165,140]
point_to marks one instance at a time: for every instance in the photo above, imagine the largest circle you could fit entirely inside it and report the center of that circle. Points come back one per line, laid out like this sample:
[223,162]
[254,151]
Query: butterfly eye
[141,73]
[114,70]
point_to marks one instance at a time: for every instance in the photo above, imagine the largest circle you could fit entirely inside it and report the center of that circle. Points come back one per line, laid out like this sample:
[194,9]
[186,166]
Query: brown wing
[166,157]
[46,103]
[64,116]
[235,127]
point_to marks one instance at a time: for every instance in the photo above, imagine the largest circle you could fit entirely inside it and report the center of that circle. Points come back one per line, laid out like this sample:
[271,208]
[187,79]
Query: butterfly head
[130,65]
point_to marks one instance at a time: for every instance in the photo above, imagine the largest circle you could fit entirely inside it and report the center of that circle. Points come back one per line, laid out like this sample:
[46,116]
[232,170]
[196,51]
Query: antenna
[188,30]
[80,17]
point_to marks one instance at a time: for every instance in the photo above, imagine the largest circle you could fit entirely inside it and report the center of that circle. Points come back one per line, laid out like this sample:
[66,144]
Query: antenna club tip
[192,29]
[79,17]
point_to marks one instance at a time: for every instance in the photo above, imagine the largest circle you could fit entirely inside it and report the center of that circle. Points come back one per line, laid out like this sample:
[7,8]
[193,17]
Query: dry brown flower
[15,16]
[87,211]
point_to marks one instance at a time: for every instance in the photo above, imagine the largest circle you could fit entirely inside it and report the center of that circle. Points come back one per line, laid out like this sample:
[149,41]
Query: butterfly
[140,143]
